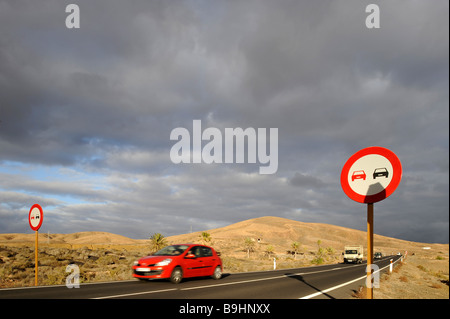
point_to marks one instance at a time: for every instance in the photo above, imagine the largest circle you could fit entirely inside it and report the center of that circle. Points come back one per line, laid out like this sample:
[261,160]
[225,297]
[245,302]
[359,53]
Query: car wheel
[217,273]
[176,276]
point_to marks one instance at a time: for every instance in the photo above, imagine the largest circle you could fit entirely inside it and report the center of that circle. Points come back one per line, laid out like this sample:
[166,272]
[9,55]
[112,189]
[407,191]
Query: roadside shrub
[317,261]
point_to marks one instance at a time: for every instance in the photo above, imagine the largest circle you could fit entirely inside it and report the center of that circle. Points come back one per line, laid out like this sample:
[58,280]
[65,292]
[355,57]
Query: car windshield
[173,250]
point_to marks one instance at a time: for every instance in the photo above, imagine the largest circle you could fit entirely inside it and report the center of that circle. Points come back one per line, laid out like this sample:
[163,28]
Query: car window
[206,251]
[173,250]
[195,251]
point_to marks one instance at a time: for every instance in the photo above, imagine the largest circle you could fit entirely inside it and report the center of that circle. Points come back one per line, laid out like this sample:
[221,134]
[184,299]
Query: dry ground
[420,276]
[416,278]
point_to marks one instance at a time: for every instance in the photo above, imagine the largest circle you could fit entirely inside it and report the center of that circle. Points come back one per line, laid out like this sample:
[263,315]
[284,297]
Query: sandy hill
[81,238]
[278,232]
[281,233]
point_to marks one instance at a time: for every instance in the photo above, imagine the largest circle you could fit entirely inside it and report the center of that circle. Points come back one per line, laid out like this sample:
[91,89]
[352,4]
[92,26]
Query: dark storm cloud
[306,181]
[101,101]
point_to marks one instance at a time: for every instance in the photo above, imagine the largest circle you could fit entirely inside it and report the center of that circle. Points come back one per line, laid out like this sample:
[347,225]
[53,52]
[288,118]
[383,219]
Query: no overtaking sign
[35,217]
[371,174]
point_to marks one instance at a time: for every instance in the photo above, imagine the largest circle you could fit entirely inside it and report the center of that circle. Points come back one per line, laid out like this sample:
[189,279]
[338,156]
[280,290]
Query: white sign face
[370,174]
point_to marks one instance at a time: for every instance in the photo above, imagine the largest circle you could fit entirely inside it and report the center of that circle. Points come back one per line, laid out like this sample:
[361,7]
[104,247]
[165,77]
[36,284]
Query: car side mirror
[190,256]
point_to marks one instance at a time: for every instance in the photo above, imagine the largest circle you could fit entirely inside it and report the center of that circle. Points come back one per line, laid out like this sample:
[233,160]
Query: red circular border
[41,218]
[396,175]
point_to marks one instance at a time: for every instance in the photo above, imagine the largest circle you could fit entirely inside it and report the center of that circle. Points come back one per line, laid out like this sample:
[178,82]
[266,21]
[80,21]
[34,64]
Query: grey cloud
[306,181]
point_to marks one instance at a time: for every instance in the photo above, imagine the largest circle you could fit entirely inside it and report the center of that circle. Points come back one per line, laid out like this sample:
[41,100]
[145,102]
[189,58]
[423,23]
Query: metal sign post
[371,175]
[36,259]
[369,248]
[35,218]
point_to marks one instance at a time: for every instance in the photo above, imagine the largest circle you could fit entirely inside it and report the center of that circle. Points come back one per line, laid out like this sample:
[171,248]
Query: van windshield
[353,251]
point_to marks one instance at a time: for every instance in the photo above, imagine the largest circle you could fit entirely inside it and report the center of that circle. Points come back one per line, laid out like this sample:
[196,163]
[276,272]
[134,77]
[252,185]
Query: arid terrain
[250,245]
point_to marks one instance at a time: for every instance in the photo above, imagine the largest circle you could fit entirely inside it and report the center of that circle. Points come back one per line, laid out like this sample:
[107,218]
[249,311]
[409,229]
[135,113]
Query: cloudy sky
[86,113]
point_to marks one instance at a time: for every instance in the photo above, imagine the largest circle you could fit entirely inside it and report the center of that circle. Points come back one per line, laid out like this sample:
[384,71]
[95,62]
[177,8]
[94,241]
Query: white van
[353,254]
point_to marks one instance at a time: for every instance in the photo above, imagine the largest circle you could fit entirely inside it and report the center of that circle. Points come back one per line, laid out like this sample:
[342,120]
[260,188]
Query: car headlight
[135,263]
[165,262]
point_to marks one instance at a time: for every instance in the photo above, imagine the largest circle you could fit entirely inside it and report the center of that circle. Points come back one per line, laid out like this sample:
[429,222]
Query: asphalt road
[335,281]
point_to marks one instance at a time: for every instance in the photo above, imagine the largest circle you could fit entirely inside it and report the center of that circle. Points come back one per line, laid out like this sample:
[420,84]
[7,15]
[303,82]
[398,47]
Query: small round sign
[371,174]
[35,217]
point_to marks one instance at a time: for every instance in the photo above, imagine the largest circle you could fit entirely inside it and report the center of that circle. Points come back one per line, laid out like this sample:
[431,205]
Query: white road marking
[341,285]
[135,294]
[213,285]
[246,281]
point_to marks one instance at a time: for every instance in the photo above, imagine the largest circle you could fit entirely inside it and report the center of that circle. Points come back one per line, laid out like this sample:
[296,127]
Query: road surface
[335,281]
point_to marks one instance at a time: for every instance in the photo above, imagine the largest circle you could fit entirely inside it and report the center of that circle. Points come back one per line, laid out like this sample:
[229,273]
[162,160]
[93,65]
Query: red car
[176,262]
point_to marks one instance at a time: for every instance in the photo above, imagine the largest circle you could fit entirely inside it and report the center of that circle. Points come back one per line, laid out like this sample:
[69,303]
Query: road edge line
[342,285]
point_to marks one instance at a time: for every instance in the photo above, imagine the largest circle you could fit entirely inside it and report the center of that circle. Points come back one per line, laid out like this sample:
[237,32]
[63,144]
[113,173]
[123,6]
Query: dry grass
[410,279]
[17,265]
[103,256]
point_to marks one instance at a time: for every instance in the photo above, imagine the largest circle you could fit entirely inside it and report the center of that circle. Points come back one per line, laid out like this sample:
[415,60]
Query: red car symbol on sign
[358,175]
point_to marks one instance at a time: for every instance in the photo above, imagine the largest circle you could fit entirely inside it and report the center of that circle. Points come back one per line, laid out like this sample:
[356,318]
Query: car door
[207,261]
[193,266]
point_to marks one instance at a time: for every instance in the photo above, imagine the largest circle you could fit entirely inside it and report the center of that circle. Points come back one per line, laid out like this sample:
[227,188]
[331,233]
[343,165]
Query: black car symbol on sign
[380,172]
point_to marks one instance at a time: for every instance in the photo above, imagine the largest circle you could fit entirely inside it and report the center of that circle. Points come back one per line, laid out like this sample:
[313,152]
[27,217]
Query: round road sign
[35,217]
[371,174]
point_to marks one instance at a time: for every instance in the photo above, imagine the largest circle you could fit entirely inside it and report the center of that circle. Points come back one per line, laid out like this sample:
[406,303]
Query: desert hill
[281,233]
[277,232]
[81,238]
